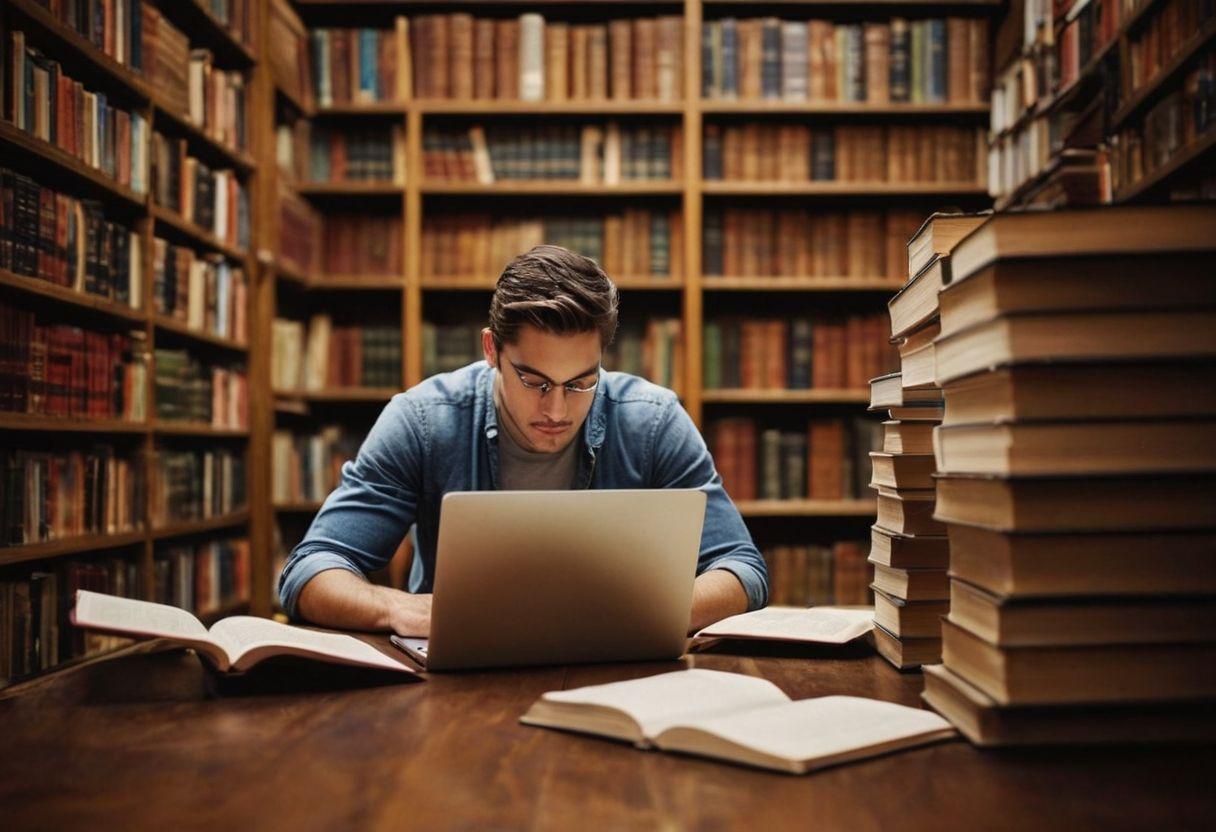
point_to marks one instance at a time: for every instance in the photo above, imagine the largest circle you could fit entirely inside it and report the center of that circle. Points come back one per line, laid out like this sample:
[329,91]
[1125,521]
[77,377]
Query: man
[538,414]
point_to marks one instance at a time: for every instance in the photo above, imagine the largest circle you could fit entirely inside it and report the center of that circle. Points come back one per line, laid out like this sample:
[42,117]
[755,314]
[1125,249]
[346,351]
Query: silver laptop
[553,577]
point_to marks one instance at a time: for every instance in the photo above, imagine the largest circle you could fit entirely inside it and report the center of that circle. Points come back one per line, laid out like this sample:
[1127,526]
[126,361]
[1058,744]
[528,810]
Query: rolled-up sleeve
[367,516]
[681,460]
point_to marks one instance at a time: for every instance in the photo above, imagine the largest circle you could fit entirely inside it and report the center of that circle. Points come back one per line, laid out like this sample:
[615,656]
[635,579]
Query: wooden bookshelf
[210,524]
[554,187]
[200,429]
[69,546]
[826,396]
[95,304]
[1181,161]
[807,508]
[195,234]
[197,137]
[95,183]
[800,284]
[56,424]
[198,335]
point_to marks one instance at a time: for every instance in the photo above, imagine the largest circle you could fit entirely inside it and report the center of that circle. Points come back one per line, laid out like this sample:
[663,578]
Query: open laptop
[552,577]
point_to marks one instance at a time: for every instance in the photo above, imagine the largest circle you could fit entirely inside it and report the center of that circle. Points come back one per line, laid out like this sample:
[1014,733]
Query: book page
[242,635]
[822,731]
[823,625]
[128,615]
[658,701]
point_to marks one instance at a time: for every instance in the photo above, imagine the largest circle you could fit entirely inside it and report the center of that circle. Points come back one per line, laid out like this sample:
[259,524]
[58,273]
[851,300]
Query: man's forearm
[341,599]
[716,594]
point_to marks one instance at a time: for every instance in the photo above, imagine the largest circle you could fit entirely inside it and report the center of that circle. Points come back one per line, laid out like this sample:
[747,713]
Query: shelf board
[197,234]
[1181,160]
[553,187]
[110,72]
[320,189]
[180,327]
[962,3]
[62,294]
[171,428]
[210,30]
[335,395]
[801,284]
[726,106]
[368,108]
[68,546]
[302,507]
[26,683]
[103,185]
[239,159]
[807,508]
[1166,76]
[356,282]
[290,273]
[600,106]
[304,109]
[813,396]
[473,283]
[224,521]
[833,188]
[67,424]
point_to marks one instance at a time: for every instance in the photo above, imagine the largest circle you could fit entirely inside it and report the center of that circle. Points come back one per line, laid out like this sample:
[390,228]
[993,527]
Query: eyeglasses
[533,381]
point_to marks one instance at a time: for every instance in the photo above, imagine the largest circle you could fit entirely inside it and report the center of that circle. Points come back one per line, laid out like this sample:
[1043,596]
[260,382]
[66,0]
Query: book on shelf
[188,390]
[114,27]
[362,154]
[206,293]
[635,242]
[356,66]
[299,233]
[737,718]
[448,347]
[202,578]
[362,243]
[306,467]
[750,242]
[898,61]
[50,105]
[827,460]
[166,59]
[61,370]
[810,574]
[217,100]
[531,58]
[290,52]
[239,17]
[861,153]
[325,354]
[190,485]
[590,154]
[214,200]
[56,495]
[652,349]
[816,625]
[233,644]
[69,242]
[35,632]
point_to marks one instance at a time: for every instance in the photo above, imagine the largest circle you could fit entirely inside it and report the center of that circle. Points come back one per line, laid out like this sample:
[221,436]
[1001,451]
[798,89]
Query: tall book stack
[909,550]
[1077,477]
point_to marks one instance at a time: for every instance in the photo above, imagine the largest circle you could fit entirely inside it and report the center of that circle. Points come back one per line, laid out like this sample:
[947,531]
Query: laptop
[556,577]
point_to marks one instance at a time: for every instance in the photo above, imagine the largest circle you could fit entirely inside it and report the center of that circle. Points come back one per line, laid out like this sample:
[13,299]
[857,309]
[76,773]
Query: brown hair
[555,290]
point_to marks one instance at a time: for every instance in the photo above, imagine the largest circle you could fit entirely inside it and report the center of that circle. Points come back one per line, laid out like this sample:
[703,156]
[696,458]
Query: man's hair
[556,291]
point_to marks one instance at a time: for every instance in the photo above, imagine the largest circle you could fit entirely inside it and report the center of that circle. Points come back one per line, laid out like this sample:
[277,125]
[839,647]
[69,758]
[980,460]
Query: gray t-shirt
[522,470]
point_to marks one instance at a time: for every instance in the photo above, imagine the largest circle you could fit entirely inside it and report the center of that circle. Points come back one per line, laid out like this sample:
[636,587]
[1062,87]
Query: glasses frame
[548,385]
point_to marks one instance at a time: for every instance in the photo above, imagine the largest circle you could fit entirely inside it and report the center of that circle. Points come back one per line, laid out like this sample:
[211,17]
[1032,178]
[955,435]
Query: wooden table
[148,741]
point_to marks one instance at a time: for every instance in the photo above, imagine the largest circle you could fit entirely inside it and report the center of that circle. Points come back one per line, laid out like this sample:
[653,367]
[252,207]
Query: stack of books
[1077,477]
[909,550]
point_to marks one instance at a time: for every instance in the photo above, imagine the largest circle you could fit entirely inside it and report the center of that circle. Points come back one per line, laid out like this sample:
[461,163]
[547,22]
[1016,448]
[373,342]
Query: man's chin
[550,439]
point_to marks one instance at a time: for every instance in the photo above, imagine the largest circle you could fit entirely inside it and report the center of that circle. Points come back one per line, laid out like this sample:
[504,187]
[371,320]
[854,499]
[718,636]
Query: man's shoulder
[456,389]
[633,397]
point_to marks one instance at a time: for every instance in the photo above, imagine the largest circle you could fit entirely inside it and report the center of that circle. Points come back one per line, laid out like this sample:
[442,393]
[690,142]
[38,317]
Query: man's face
[545,423]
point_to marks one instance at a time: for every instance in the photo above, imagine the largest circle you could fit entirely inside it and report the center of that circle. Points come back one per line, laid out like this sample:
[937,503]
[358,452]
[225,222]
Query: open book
[233,644]
[816,625]
[737,718]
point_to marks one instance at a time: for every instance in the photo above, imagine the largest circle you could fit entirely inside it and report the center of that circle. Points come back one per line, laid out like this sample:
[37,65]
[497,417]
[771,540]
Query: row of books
[350,243]
[214,200]
[327,355]
[1083,36]
[1172,126]
[762,152]
[53,495]
[826,460]
[450,346]
[36,633]
[207,293]
[67,241]
[794,353]
[589,153]
[166,59]
[633,242]
[355,65]
[192,485]
[217,100]
[533,59]
[357,154]
[186,390]
[1169,30]
[652,349]
[239,17]
[750,242]
[810,575]
[307,466]
[113,26]
[919,61]
[205,577]
[1079,518]
[53,369]
[50,105]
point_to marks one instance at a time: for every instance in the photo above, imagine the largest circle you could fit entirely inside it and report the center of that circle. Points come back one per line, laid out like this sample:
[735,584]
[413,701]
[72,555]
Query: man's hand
[341,599]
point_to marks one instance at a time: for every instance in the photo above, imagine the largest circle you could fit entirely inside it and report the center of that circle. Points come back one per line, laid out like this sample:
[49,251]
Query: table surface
[151,740]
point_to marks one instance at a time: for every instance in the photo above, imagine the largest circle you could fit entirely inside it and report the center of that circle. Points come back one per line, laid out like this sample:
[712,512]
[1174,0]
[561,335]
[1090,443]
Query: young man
[538,413]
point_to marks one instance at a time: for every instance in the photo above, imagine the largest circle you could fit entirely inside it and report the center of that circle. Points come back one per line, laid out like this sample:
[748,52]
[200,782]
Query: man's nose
[554,405]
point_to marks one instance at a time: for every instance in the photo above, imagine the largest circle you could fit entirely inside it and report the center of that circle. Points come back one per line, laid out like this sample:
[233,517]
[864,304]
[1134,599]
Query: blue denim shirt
[442,436]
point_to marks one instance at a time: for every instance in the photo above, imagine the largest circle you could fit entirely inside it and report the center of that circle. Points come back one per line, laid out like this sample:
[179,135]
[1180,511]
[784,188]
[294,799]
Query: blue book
[368,64]
[730,57]
[935,76]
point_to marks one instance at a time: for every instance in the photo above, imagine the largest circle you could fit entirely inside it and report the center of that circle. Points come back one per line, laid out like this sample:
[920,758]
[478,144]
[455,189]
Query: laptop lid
[553,577]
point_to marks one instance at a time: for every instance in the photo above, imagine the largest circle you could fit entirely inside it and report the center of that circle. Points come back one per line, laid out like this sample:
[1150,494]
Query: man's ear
[488,348]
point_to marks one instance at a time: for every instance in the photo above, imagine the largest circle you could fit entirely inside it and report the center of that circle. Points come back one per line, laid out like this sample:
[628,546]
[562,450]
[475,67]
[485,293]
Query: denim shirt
[442,435]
